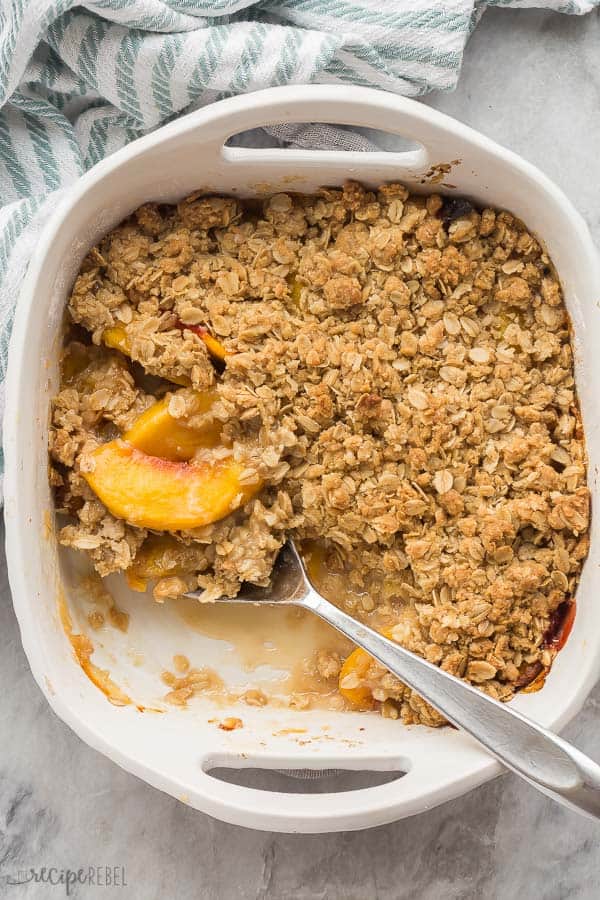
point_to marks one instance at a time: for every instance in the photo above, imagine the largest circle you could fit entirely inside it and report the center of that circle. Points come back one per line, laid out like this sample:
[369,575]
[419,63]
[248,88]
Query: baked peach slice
[117,338]
[295,289]
[160,556]
[213,345]
[352,673]
[158,433]
[163,494]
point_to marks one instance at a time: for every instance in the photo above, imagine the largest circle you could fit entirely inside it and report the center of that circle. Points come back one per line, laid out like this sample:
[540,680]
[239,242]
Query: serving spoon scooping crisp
[546,761]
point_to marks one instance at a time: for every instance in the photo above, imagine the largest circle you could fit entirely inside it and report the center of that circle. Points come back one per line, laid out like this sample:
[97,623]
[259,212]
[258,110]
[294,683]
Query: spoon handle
[542,758]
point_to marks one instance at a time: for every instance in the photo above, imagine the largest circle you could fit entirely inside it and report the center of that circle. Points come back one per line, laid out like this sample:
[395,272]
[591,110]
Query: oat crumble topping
[398,378]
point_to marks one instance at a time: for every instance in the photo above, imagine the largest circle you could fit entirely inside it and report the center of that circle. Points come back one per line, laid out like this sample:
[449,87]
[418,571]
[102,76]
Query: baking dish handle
[440,140]
[427,783]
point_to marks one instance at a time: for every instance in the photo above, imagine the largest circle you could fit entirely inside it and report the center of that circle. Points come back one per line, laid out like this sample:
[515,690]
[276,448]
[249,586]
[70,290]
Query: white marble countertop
[531,80]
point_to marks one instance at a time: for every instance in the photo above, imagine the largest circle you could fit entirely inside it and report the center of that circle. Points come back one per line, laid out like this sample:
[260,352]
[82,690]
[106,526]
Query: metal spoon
[542,758]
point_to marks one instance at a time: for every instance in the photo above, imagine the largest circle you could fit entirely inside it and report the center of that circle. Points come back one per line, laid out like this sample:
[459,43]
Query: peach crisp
[388,378]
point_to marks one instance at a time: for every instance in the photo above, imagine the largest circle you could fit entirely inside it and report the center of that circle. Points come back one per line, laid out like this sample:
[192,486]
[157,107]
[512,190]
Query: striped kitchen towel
[80,80]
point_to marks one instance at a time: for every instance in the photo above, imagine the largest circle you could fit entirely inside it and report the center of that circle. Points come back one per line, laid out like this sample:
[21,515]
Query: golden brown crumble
[399,376]
[188,682]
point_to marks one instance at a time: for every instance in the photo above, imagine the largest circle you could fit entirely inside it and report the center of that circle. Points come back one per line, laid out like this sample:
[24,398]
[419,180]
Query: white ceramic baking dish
[176,750]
